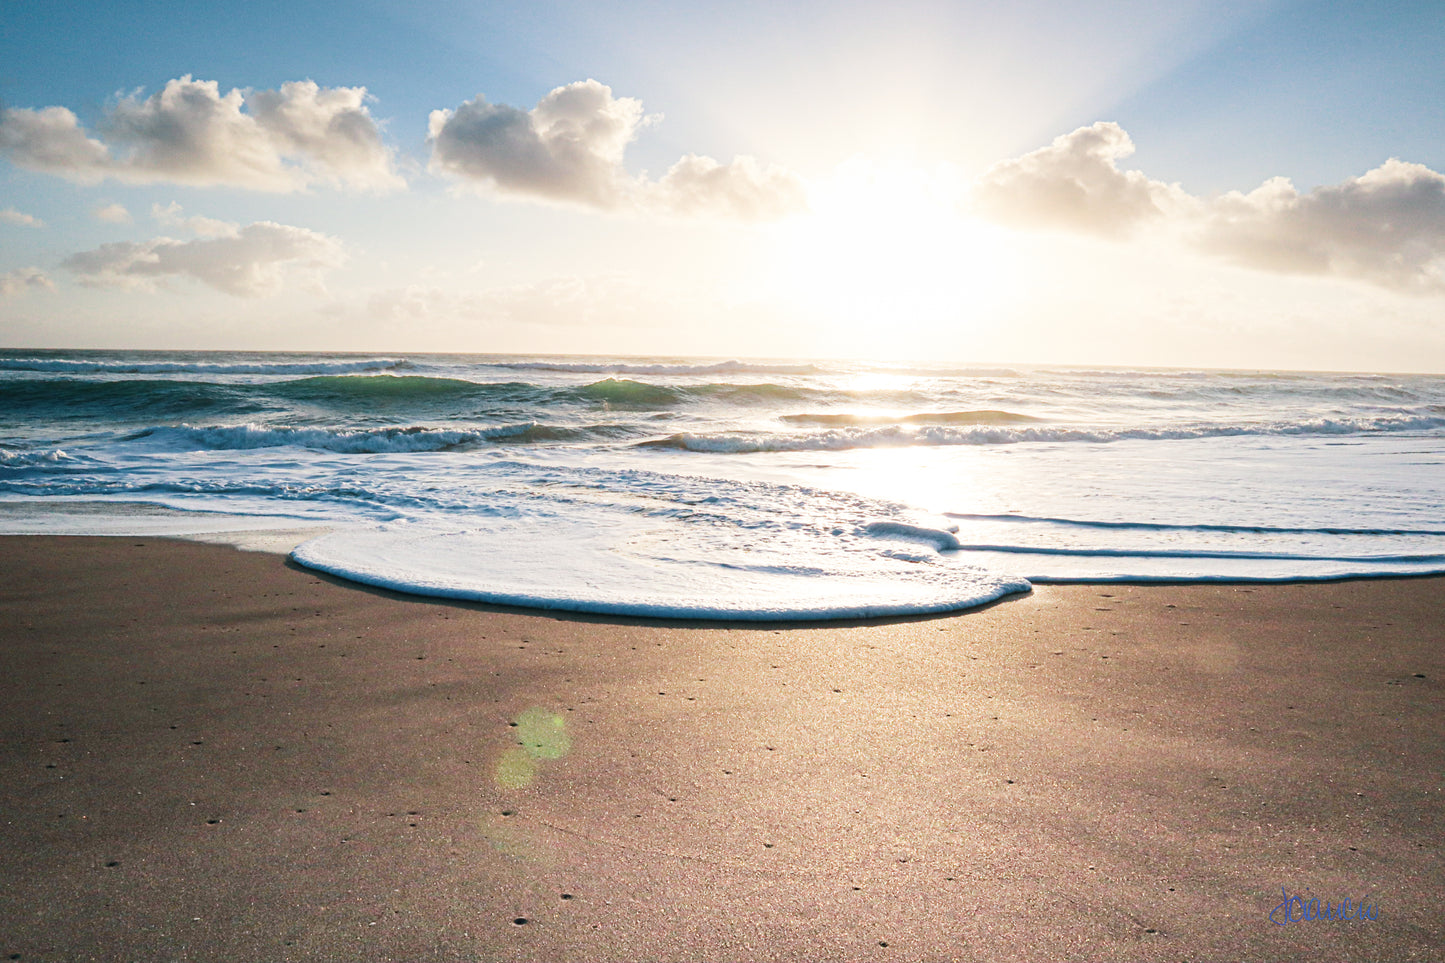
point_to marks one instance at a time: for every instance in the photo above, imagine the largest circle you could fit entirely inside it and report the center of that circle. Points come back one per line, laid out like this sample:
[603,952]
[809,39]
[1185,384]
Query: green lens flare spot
[543,734]
[515,770]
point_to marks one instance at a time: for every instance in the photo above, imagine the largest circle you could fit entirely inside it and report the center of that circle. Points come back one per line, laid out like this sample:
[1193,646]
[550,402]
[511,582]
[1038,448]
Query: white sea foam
[25,459]
[361,440]
[585,565]
[943,541]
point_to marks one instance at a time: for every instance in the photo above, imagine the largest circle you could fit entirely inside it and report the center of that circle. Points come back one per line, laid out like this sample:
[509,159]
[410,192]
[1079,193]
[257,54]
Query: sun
[886,251]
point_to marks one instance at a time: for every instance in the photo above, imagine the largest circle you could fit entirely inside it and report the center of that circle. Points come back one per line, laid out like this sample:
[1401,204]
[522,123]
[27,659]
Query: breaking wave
[410,438]
[899,436]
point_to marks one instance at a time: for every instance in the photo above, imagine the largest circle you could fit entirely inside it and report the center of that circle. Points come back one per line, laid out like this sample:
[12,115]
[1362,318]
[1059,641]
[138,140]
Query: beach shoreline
[214,754]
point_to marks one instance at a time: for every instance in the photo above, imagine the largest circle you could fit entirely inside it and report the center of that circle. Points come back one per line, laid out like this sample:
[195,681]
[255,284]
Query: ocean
[736,489]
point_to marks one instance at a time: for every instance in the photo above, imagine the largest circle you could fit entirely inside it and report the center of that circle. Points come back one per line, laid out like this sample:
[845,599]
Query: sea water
[741,490]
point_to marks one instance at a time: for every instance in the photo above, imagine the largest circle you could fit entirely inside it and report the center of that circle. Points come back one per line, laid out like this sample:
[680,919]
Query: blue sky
[930,178]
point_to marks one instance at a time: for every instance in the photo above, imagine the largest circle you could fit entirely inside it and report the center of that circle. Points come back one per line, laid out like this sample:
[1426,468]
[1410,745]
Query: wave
[719,368]
[73,366]
[940,540]
[347,394]
[759,393]
[410,438]
[898,436]
[628,394]
[374,386]
[575,566]
[982,417]
[31,459]
[1164,553]
[345,391]
[615,392]
[612,392]
[1168,527]
[69,397]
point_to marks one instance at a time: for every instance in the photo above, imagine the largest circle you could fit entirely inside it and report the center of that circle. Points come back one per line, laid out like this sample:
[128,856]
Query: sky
[1231,183]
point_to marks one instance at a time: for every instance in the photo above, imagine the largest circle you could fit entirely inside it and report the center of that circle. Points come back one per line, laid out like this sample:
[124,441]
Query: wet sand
[211,755]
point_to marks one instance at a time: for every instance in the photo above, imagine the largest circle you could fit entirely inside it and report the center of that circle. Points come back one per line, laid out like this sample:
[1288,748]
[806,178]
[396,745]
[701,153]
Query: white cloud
[112,214]
[170,216]
[570,148]
[11,216]
[23,280]
[1386,227]
[250,261]
[190,133]
[51,140]
[331,129]
[742,189]
[1075,183]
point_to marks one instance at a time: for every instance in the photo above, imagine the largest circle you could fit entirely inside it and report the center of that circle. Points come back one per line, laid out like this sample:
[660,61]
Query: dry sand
[212,755]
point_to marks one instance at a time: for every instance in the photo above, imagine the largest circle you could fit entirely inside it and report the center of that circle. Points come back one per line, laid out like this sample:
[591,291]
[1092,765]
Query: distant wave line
[196,367]
[986,416]
[1164,526]
[721,367]
[1168,553]
[896,436]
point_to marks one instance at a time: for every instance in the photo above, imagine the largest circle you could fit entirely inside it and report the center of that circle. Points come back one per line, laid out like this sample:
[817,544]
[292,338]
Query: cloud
[570,148]
[11,216]
[1075,183]
[1385,227]
[190,133]
[742,189]
[170,216]
[331,128]
[250,261]
[51,140]
[24,280]
[112,214]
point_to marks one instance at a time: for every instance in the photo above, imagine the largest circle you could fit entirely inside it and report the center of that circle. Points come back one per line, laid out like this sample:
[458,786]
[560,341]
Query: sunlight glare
[886,253]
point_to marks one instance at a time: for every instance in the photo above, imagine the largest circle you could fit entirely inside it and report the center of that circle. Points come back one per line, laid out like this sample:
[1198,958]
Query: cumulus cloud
[11,216]
[24,280]
[1075,183]
[170,216]
[1386,227]
[742,189]
[570,148]
[112,214]
[51,140]
[250,261]
[191,133]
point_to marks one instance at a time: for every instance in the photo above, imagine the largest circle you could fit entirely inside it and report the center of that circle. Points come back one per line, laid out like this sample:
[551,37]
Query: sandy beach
[210,754]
